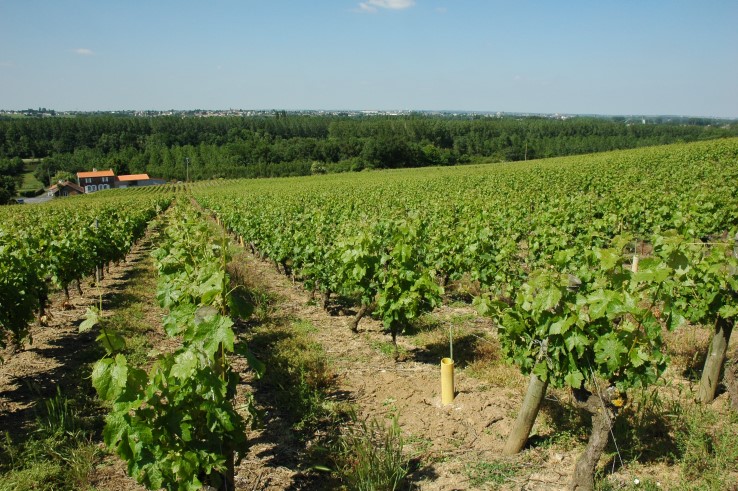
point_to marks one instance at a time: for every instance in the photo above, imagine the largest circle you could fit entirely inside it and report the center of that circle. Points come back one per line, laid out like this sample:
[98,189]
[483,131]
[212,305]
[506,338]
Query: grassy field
[30,183]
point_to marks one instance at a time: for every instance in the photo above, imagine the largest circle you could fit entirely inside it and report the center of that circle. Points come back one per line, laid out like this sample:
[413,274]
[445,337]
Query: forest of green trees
[297,144]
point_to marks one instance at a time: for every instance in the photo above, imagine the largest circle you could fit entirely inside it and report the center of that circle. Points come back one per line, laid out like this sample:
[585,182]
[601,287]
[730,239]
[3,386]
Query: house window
[100,187]
[104,179]
[88,180]
[90,188]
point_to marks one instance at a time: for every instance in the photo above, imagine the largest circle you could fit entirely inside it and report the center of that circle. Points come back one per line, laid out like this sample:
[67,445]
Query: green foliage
[384,265]
[266,146]
[370,456]
[8,187]
[54,245]
[593,322]
[176,425]
[705,281]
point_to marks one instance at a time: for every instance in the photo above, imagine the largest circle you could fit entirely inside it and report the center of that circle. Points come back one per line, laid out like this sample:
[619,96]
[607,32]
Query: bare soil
[59,358]
[448,442]
[456,446]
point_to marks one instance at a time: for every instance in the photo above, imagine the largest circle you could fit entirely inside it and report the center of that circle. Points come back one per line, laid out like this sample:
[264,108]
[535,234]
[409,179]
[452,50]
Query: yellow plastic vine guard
[447,380]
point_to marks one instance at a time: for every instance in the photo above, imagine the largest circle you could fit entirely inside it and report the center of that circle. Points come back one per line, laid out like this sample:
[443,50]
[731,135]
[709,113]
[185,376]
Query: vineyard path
[445,440]
[60,358]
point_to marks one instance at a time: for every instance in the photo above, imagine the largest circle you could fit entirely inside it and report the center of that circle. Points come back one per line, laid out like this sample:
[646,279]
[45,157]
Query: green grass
[708,443]
[59,454]
[297,367]
[387,348]
[369,455]
[129,314]
[492,473]
[30,183]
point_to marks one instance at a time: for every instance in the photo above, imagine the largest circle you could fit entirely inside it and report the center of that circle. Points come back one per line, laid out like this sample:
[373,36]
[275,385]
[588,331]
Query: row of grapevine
[550,246]
[50,246]
[490,224]
[176,425]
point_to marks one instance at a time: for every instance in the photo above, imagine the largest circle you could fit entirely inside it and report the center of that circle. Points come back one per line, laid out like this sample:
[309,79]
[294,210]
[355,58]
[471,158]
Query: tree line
[11,177]
[173,147]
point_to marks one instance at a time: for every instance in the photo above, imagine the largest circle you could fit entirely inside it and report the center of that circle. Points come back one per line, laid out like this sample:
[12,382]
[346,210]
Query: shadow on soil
[465,351]
[74,353]
[643,431]
[292,395]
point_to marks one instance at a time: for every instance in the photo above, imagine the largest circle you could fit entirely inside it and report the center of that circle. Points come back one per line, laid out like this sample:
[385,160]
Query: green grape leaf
[109,377]
[111,341]
[574,379]
[92,318]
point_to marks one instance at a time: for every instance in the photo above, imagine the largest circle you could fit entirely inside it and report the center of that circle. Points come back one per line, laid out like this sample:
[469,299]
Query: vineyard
[295,326]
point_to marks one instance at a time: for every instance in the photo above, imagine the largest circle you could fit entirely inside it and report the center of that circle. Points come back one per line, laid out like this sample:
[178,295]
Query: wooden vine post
[718,345]
[715,359]
[526,416]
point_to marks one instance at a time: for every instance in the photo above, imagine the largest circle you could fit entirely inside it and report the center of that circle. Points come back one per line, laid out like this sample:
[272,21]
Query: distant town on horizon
[240,112]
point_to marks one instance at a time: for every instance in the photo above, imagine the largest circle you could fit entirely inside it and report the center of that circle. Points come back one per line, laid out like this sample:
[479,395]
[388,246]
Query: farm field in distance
[303,321]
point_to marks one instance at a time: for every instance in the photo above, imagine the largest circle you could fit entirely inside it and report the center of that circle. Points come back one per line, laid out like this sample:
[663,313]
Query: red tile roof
[133,177]
[68,184]
[97,173]
[74,186]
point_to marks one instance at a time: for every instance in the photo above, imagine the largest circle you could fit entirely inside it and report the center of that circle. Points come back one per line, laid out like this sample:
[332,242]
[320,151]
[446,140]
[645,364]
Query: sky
[619,57]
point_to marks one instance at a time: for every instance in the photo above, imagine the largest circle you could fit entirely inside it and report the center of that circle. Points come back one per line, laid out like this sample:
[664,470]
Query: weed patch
[494,473]
[59,454]
[370,455]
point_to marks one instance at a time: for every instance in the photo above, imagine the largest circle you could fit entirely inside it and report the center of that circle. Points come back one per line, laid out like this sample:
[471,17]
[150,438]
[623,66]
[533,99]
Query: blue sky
[593,57]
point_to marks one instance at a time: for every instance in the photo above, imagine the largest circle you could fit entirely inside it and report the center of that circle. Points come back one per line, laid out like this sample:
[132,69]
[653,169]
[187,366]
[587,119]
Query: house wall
[92,184]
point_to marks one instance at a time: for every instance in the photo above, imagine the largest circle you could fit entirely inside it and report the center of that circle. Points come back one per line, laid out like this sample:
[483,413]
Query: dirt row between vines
[447,442]
[59,358]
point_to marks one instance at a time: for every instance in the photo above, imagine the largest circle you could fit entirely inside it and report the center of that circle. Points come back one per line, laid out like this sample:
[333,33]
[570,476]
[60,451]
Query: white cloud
[84,51]
[374,5]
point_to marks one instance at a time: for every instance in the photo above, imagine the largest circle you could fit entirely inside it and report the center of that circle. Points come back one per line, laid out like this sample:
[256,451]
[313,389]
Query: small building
[96,180]
[132,180]
[64,188]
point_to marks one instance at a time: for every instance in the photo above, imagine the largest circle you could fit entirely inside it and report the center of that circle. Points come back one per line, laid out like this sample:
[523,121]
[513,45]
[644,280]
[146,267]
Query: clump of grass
[493,473]
[643,430]
[299,369]
[687,347]
[58,455]
[58,416]
[709,448]
[370,457]
[465,289]
[487,364]
[262,300]
[698,443]
[640,485]
[423,323]
[388,349]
